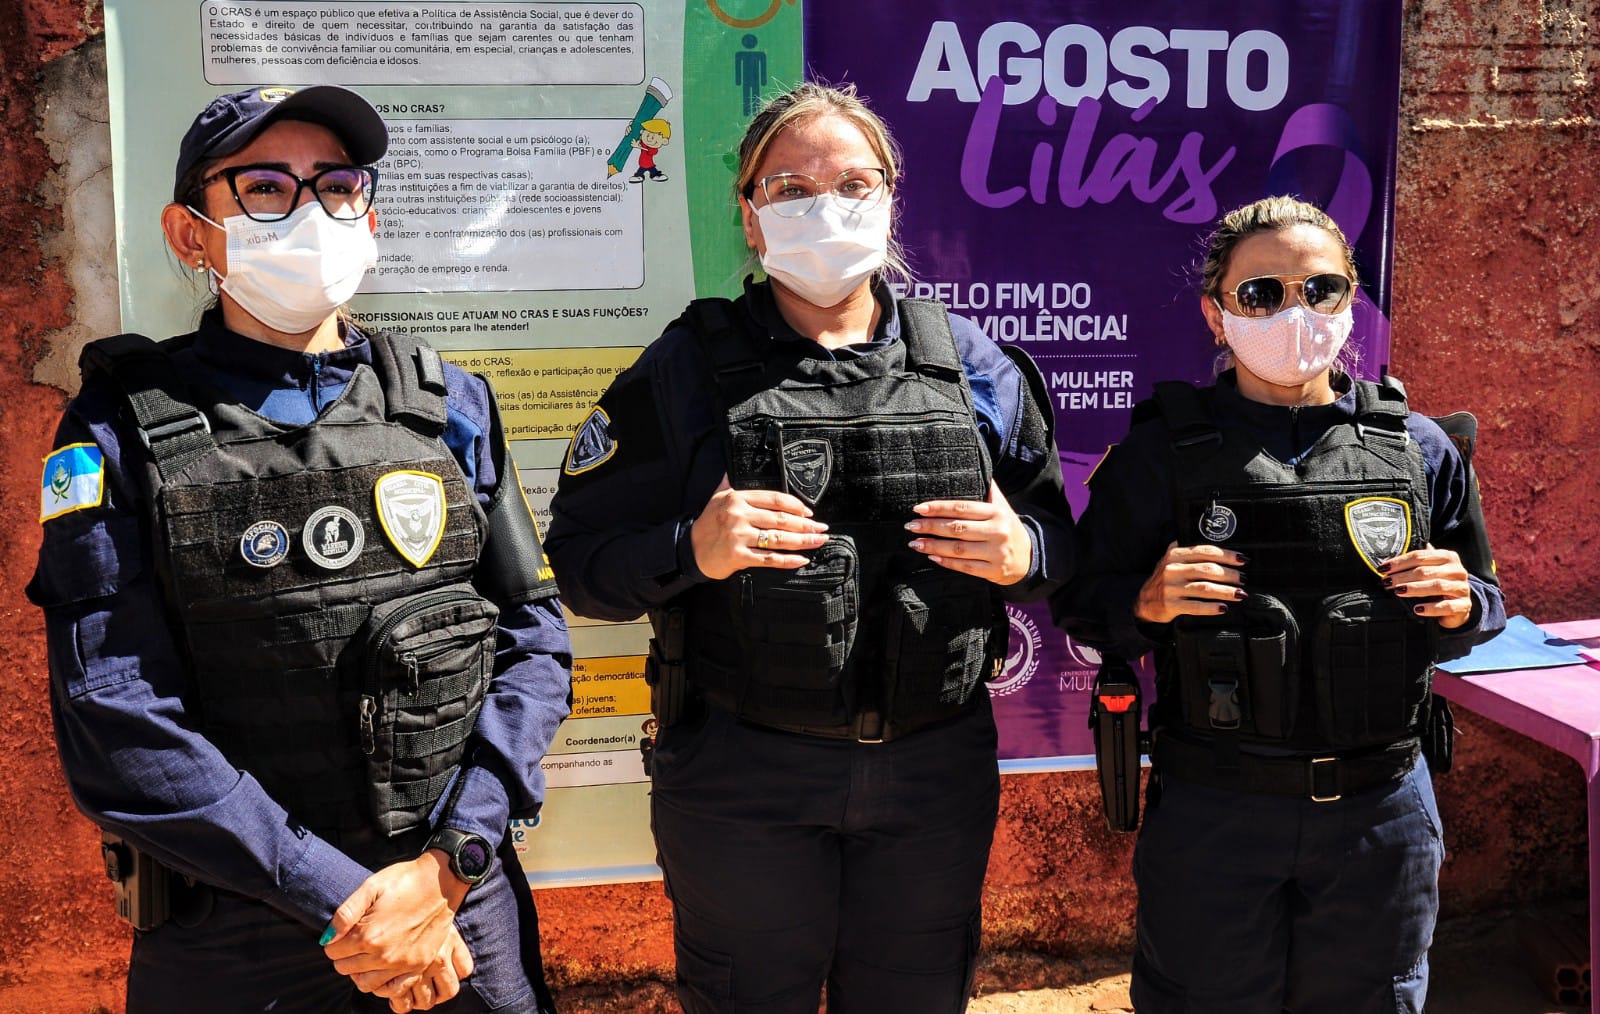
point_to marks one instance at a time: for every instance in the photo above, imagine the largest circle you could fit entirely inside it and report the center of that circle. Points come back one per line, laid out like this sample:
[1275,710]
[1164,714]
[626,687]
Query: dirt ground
[1477,968]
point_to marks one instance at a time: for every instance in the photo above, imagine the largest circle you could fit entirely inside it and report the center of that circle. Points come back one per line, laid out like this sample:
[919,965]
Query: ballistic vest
[868,627]
[318,578]
[1320,658]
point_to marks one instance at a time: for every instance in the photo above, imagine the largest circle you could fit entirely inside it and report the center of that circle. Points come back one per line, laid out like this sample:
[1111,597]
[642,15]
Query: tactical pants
[1252,904]
[796,861]
[248,956]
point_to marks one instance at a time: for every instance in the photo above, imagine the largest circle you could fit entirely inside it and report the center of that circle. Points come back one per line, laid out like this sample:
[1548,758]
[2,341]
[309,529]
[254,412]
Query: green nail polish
[327,936]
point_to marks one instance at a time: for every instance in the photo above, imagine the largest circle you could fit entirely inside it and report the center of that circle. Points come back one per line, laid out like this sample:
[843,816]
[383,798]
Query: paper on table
[1522,645]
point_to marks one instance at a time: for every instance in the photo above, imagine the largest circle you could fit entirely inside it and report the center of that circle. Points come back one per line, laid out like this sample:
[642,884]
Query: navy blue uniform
[1305,906]
[794,860]
[137,765]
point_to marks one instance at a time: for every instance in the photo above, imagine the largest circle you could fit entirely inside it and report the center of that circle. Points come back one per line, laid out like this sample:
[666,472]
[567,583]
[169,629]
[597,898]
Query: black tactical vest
[1320,658]
[869,626]
[318,576]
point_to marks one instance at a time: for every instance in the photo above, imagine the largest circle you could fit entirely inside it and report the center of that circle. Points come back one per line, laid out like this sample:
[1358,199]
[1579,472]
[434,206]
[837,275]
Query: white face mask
[827,252]
[1289,348]
[293,273]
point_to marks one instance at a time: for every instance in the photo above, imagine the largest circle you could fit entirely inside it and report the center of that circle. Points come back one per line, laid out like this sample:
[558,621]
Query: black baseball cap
[232,121]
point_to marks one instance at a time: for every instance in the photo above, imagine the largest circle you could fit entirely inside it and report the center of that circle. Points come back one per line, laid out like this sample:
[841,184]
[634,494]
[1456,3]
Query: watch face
[473,858]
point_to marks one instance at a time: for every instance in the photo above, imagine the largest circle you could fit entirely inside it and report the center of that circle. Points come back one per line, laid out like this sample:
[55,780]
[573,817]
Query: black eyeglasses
[1264,296]
[270,194]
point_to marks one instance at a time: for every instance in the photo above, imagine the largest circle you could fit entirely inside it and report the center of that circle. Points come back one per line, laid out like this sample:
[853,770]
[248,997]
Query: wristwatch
[470,854]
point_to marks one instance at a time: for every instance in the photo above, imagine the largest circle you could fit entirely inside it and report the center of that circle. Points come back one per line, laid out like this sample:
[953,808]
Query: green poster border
[714,121]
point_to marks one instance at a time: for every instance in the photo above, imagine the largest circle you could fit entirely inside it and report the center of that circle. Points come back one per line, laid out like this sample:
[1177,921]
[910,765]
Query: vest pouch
[798,626]
[1238,673]
[426,661]
[940,644]
[1371,658]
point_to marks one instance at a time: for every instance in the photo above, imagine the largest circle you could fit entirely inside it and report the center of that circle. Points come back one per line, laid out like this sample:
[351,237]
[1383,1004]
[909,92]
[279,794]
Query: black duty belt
[1319,778]
[866,727]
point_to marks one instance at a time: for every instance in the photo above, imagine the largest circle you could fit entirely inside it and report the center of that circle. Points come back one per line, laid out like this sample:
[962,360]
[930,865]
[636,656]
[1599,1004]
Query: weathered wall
[1496,287]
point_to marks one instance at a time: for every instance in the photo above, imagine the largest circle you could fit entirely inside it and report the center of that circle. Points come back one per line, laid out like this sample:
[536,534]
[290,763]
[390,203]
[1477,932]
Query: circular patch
[333,538]
[264,544]
[1218,523]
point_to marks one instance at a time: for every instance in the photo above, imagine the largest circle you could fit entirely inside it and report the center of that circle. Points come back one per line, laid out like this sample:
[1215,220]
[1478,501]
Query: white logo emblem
[411,510]
[1022,661]
[333,537]
[1379,527]
[1218,523]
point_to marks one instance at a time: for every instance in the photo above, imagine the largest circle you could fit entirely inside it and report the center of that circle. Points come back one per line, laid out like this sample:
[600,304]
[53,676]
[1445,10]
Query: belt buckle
[866,720]
[1312,772]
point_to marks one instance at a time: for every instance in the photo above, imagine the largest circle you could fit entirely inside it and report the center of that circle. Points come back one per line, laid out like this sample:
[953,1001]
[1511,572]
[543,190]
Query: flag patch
[74,480]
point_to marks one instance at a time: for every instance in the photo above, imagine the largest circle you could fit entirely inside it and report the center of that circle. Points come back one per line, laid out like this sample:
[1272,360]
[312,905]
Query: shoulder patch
[74,480]
[592,445]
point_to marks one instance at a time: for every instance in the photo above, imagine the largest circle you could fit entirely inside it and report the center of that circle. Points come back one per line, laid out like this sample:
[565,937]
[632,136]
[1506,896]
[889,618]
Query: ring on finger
[763,540]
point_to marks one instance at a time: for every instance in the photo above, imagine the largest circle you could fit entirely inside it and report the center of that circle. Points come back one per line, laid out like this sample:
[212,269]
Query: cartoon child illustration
[653,136]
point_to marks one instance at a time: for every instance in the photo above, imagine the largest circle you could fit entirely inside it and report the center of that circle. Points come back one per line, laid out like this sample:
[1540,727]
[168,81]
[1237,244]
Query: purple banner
[1064,162]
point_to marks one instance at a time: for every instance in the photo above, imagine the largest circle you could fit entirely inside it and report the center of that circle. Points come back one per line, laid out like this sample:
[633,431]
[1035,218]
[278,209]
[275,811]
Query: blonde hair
[1271,214]
[810,101]
[661,127]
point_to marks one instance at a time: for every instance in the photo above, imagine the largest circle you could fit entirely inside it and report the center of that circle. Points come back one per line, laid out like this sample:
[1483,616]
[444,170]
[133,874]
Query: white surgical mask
[830,250]
[292,273]
[1291,347]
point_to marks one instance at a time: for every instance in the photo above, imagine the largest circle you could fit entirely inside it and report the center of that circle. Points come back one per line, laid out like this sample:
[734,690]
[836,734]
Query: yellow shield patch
[411,510]
[1379,527]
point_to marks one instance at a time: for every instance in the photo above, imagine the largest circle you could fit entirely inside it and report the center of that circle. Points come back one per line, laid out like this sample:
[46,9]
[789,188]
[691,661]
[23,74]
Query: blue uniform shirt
[620,541]
[133,757]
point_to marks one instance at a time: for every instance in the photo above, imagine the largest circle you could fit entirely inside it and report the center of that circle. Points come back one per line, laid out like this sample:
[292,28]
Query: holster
[142,886]
[1114,719]
[664,674]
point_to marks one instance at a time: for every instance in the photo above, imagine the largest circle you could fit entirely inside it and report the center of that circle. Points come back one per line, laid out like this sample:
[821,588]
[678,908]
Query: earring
[200,265]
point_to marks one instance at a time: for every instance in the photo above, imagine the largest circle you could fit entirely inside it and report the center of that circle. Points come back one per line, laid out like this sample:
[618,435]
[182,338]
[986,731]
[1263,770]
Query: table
[1559,707]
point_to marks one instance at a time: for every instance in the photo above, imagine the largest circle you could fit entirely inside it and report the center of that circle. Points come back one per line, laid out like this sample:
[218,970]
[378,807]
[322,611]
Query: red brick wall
[1496,285]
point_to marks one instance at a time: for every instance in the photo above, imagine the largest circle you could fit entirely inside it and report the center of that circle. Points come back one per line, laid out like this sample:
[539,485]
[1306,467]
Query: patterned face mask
[1289,348]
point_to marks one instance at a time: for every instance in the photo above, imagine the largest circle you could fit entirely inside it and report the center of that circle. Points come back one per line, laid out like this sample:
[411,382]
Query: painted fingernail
[1388,582]
[327,936]
[1242,557]
[915,544]
[913,526]
[1417,608]
[1239,594]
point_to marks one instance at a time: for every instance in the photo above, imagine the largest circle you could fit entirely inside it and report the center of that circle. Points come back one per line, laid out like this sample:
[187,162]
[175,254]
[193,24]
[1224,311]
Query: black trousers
[795,862]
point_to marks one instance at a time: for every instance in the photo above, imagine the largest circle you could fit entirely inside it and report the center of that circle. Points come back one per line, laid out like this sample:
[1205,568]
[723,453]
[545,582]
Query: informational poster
[557,187]
[1064,163]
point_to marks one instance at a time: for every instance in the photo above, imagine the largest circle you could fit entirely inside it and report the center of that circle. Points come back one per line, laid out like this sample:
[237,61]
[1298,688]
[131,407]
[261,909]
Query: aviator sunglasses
[1265,295]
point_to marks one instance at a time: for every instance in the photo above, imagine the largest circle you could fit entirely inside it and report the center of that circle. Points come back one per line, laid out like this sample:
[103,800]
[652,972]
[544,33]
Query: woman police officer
[1298,550]
[303,660]
[820,494]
